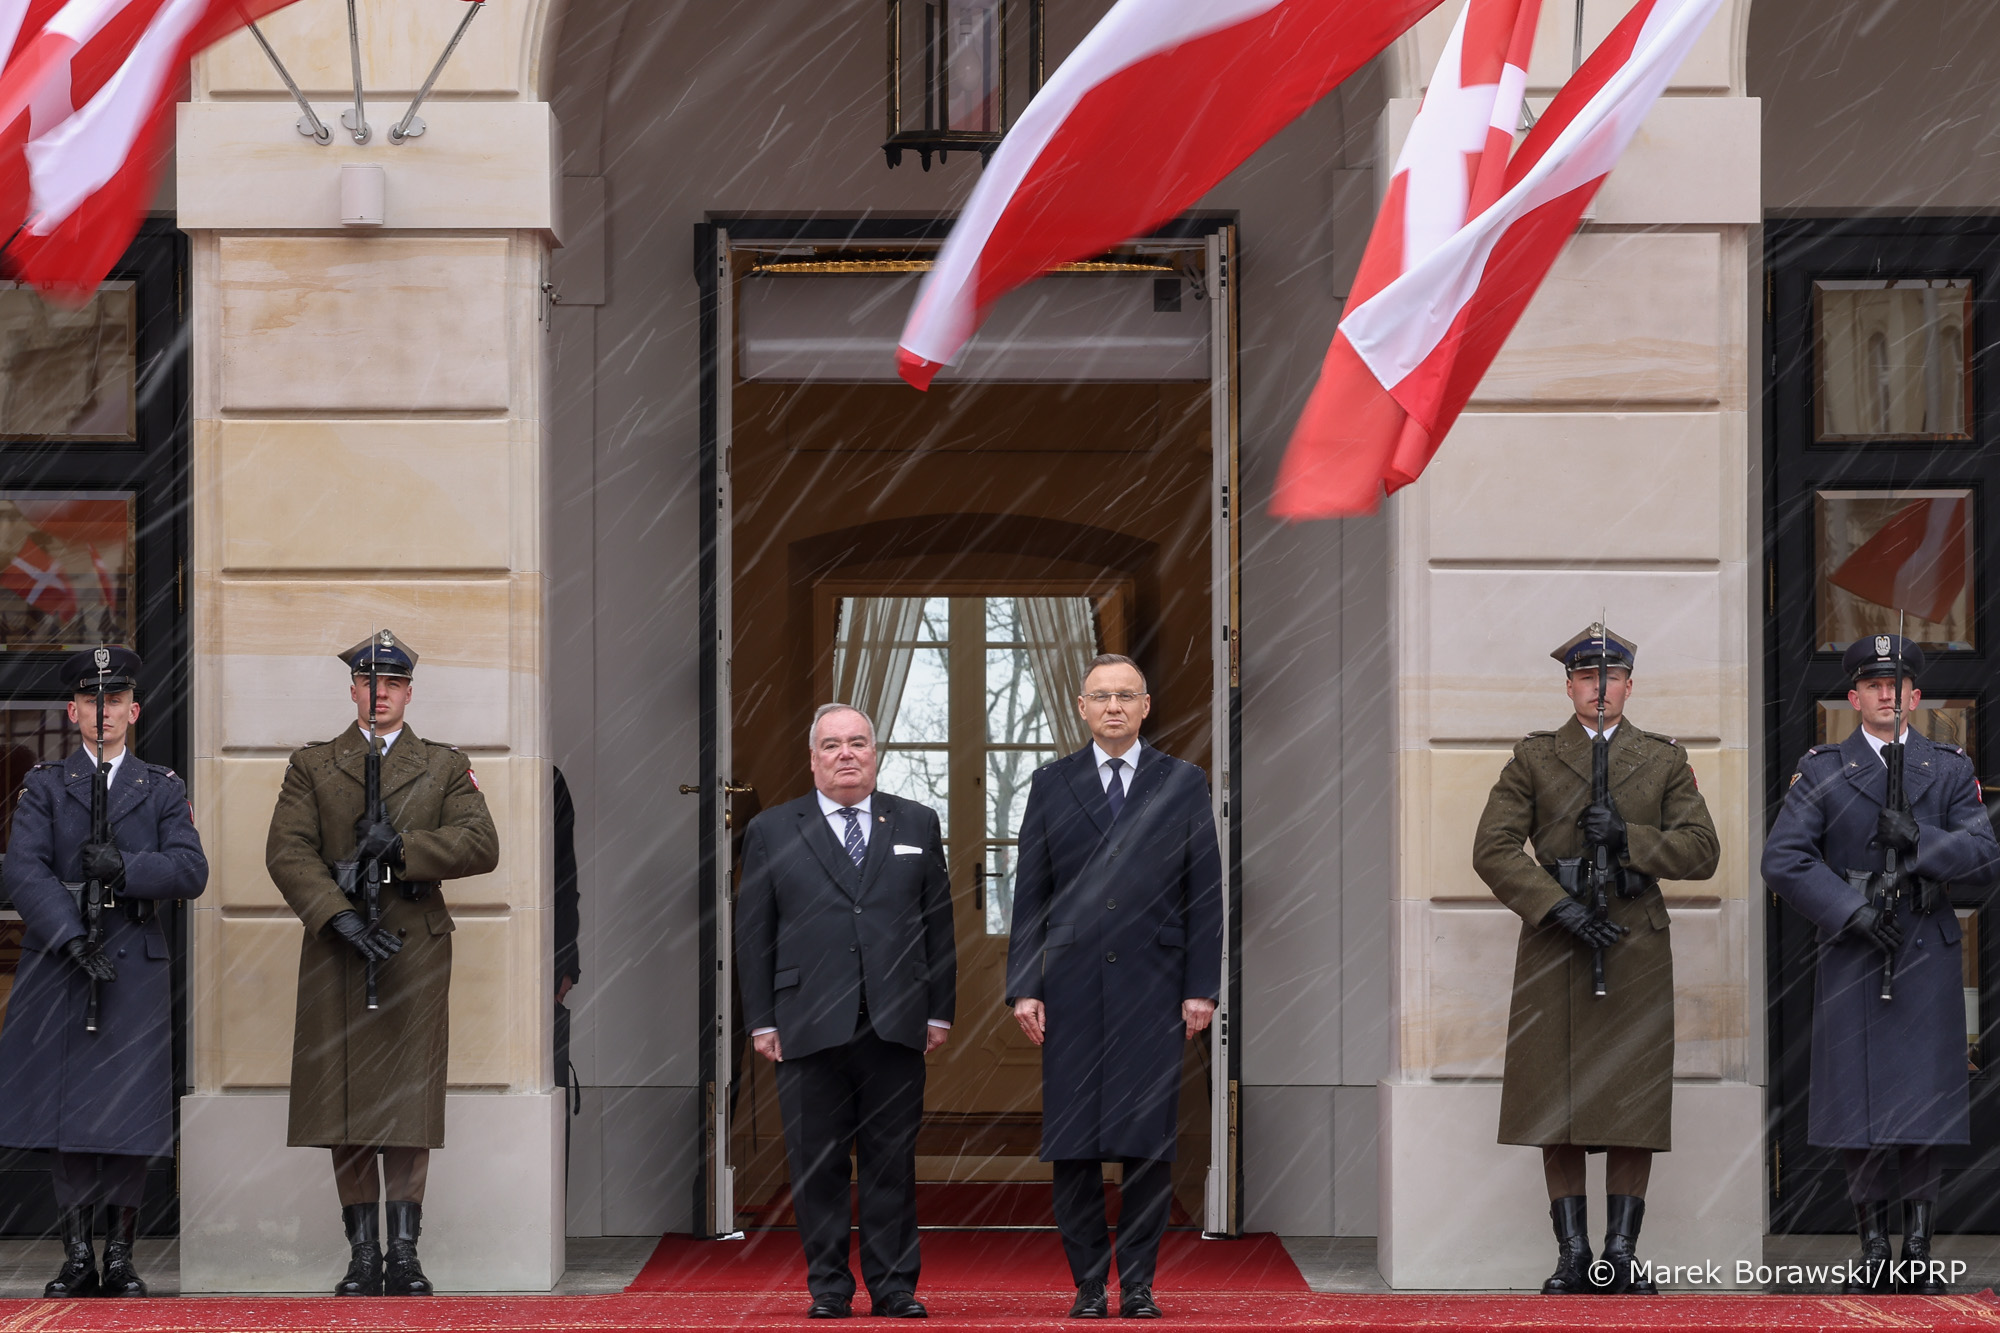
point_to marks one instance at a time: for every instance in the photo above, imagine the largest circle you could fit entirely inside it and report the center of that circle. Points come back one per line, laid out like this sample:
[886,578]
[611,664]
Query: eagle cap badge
[1881,645]
[103,659]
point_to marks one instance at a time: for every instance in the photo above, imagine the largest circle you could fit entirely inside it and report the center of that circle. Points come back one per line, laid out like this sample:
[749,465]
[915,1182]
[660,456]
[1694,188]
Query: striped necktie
[856,848]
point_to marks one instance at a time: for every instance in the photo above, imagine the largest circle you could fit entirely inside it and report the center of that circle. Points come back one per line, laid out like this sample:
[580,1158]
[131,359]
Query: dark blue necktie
[1114,794]
[856,848]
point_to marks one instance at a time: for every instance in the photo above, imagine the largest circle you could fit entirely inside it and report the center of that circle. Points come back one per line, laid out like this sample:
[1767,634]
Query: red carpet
[964,1204]
[1008,1312]
[956,1261]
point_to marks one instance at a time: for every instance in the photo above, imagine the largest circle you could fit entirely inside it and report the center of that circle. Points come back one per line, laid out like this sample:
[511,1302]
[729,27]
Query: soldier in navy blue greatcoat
[1114,962]
[1888,1077]
[101,1102]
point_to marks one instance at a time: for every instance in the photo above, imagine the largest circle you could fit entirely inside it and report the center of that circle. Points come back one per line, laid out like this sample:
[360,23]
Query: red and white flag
[1915,562]
[1161,101]
[34,576]
[1421,328]
[84,99]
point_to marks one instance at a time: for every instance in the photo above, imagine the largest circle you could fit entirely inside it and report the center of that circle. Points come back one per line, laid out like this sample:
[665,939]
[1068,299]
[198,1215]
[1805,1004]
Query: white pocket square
[904,849]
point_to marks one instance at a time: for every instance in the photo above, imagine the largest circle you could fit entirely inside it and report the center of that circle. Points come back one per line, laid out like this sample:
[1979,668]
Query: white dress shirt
[1129,764]
[838,822]
[388,738]
[1877,744]
[116,760]
[1610,732]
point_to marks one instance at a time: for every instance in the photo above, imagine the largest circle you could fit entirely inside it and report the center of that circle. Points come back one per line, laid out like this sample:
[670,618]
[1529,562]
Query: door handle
[979,890]
[690,789]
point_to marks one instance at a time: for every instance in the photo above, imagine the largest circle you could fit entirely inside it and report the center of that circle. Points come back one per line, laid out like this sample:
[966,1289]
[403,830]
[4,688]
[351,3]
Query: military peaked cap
[1594,645]
[113,666]
[1882,655]
[390,657]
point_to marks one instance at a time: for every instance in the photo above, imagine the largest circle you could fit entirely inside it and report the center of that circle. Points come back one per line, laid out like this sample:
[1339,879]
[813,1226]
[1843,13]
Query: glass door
[1882,469]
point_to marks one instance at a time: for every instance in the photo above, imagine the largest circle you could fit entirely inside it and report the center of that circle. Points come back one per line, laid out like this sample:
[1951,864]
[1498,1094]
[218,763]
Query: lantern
[948,74]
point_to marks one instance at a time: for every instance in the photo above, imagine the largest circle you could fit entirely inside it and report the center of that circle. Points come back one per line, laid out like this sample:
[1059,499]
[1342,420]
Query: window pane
[1939,719]
[68,374]
[65,569]
[1014,713]
[1881,554]
[999,889]
[30,734]
[1892,358]
[923,776]
[1007,774]
[924,716]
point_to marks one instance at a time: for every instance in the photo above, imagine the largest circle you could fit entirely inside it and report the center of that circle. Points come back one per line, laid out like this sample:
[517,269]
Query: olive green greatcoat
[1581,1070]
[361,1077]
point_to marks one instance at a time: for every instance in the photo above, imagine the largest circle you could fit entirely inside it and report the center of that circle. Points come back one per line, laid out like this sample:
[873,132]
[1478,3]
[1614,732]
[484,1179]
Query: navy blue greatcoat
[60,1087]
[1115,923]
[1895,1072]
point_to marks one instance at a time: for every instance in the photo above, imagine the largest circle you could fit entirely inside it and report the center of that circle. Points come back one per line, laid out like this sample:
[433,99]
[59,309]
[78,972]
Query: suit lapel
[76,775]
[128,788]
[881,841]
[1864,769]
[1082,774]
[406,761]
[1146,778]
[818,835]
[1573,746]
[1919,766]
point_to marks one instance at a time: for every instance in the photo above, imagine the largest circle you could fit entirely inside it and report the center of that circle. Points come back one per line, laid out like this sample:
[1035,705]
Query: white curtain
[871,656]
[1062,638]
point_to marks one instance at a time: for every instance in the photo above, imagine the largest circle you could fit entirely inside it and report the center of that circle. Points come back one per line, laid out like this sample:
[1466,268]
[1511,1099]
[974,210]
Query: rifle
[1600,793]
[1889,884]
[95,891]
[372,873]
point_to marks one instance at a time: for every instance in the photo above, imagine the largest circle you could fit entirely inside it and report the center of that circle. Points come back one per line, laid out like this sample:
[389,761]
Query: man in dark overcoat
[1115,961]
[849,975]
[1889,1082]
[101,1102]
[370,1082]
[1587,1072]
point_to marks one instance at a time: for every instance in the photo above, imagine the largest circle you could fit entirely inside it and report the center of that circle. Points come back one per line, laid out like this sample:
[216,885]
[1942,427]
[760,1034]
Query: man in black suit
[1115,960]
[849,977]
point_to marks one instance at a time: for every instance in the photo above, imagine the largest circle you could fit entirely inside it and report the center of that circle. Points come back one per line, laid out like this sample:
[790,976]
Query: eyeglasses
[1106,696]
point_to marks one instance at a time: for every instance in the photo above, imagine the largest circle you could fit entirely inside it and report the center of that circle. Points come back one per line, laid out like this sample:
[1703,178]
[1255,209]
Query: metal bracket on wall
[412,125]
[310,124]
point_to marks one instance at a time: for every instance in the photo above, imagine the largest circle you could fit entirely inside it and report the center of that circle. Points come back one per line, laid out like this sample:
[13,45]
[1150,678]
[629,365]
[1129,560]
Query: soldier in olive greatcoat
[101,1102]
[369,1082]
[1889,1082]
[1588,1072]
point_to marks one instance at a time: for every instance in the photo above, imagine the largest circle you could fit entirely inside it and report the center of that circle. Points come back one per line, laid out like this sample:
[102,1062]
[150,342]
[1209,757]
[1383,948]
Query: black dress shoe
[830,1307]
[1137,1303]
[901,1305]
[1922,1272]
[120,1278]
[78,1275]
[1570,1215]
[1090,1303]
[1869,1275]
[402,1274]
[363,1224]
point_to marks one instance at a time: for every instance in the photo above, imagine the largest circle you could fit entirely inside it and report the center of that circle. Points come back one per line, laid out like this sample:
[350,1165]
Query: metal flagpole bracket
[356,119]
[310,124]
[412,125]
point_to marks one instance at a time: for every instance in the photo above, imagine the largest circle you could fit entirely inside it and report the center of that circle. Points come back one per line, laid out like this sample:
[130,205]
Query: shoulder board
[1664,740]
[50,763]
[1829,747]
[1531,735]
[314,745]
[1947,745]
[164,771]
[440,745]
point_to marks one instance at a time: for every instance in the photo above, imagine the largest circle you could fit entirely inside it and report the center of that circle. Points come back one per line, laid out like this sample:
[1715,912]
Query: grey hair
[812,732]
[1115,659]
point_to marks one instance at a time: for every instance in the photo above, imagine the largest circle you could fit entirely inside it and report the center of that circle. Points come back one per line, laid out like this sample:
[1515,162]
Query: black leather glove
[90,958]
[103,862]
[1898,829]
[1870,925]
[1604,827]
[1575,918]
[379,842]
[372,942]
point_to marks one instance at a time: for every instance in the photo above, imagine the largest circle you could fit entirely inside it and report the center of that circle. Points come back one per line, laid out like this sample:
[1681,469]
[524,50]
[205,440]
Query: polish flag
[1161,101]
[84,99]
[106,585]
[1915,563]
[1422,327]
[36,579]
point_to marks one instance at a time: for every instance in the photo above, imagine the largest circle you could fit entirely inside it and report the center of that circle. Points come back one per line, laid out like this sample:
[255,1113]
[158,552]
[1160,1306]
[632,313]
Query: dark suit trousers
[1143,1201]
[117,1180]
[867,1095]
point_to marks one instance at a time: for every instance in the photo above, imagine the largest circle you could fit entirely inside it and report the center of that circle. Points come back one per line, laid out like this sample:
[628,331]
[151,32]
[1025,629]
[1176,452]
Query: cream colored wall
[1601,465]
[368,452]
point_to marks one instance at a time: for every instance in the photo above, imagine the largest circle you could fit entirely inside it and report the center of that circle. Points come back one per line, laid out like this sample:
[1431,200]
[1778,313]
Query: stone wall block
[399,43]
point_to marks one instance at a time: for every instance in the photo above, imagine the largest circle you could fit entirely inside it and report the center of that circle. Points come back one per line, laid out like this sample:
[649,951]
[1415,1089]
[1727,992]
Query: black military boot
[78,1276]
[1870,1276]
[362,1222]
[405,1276]
[1572,1221]
[1919,1277]
[121,1225]
[1622,1215]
